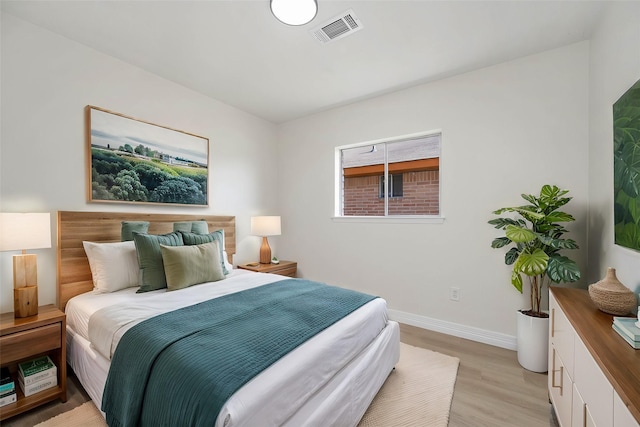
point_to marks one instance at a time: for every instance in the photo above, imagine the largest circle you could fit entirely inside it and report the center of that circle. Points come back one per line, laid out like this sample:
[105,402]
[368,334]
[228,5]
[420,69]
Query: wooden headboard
[74,275]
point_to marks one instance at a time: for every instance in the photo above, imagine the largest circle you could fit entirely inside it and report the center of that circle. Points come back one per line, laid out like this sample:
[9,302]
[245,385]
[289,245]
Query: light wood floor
[492,390]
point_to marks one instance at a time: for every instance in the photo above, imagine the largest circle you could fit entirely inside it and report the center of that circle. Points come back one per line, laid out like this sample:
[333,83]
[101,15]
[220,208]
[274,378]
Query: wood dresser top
[619,362]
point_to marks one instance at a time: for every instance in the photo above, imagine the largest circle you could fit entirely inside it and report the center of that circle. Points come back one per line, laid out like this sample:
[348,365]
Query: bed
[329,380]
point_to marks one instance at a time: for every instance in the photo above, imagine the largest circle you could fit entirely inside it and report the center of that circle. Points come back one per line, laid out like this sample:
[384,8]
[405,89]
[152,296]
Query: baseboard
[495,339]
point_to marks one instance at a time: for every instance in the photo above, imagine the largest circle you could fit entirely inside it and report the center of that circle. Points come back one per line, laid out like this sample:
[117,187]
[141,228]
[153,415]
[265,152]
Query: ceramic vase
[611,296]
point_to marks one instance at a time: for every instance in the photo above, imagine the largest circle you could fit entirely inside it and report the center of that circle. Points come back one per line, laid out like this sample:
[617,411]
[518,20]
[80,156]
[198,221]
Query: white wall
[47,80]
[506,130]
[614,68]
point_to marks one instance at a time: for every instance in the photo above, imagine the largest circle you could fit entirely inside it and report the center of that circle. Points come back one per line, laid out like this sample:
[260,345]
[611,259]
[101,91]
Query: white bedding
[314,369]
[80,309]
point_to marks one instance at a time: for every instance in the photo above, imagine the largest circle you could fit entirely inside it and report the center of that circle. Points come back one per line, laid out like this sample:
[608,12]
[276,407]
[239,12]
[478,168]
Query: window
[394,188]
[410,167]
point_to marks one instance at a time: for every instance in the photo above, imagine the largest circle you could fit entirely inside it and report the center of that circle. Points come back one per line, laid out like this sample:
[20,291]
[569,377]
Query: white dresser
[594,375]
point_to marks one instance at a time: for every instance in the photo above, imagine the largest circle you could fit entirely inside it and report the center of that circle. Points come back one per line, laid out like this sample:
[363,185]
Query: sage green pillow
[186,266]
[152,275]
[128,227]
[197,227]
[198,239]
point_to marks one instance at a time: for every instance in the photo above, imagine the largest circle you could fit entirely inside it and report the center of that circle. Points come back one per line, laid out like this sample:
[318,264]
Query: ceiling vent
[338,27]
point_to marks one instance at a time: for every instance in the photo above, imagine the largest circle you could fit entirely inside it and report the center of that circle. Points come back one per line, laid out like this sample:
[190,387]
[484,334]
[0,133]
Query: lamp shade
[20,231]
[265,225]
[294,12]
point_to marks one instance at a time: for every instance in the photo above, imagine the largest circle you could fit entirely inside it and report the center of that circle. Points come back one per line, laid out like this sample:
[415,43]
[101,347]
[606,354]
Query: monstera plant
[534,234]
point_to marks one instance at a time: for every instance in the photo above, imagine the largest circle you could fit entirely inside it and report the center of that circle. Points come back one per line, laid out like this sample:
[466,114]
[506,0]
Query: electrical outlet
[454,294]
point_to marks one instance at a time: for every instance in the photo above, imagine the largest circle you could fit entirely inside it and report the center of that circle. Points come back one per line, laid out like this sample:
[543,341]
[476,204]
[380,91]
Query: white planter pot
[533,342]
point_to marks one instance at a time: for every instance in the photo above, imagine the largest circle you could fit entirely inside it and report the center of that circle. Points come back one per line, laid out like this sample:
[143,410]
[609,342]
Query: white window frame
[399,219]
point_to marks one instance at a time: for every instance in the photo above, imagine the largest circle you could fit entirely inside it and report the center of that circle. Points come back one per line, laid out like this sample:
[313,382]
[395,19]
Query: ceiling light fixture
[294,12]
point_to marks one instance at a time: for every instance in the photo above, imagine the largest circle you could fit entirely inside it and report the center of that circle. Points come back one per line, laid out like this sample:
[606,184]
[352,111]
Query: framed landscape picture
[132,161]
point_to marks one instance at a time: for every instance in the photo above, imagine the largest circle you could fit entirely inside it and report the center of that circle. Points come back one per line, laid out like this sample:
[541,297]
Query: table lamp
[22,231]
[265,226]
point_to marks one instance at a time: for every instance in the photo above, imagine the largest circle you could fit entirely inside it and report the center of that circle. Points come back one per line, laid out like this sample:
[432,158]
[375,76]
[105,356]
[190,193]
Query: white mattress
[320,367]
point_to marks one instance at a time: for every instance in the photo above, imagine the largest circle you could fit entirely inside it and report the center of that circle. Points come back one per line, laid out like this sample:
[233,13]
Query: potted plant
[535,240]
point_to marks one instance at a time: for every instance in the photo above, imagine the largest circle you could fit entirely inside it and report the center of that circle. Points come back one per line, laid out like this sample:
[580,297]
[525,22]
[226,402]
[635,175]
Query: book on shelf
[5,375]
[6,381]
[29,389]
[51,372]
[632,343]
[628,325]
[36,370]
[7,387]
[7,398]
[34,366]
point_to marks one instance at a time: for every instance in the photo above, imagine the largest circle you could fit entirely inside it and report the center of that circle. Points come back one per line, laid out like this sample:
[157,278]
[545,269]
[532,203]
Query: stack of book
[627,328]
[37,375]
[7,387]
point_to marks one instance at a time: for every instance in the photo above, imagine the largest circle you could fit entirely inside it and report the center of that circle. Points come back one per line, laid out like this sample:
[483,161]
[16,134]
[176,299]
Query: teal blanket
[179,368]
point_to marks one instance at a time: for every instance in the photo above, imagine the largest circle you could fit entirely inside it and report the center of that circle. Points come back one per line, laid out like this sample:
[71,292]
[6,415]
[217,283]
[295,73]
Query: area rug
[417,393]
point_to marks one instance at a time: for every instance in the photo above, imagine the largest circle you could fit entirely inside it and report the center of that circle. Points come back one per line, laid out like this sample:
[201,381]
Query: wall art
[133,161]
[626,168]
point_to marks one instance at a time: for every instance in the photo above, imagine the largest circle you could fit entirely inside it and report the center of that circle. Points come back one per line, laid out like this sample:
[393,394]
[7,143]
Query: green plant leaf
[511,256]
[503,210]
[557,243]
[529,210]
[550,193]
[503,222]
[519,234]
[516,280]
[559,217]
[561,202]
[562,269]
[565,244]
[500,242]
[534,263]
[529,214]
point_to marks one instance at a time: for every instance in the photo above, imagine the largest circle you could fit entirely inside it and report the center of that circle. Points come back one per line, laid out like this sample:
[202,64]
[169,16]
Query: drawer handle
[553,373]
[553,323]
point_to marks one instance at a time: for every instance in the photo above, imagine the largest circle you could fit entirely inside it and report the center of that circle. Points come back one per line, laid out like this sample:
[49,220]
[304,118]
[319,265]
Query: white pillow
[114,266]
[227,264]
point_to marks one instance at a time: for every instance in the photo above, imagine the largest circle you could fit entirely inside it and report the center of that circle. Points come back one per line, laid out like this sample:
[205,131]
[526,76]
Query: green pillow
[150,258]
[185,266]
[128,227]
[197,227]
[198,239]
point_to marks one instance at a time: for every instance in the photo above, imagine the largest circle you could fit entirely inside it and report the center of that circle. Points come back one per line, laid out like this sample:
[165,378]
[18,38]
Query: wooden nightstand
[284,268]
[26,338]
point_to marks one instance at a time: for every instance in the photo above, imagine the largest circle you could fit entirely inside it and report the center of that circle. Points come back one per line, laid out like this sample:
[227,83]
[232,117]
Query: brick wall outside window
[421,195]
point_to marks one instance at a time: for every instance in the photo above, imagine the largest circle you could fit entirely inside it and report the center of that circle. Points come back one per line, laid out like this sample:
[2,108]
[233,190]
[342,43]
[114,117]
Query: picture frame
[134,161]
[626,168]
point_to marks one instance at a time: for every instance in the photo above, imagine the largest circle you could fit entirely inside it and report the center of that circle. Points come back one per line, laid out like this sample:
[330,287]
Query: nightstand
[284,268]
[26,338]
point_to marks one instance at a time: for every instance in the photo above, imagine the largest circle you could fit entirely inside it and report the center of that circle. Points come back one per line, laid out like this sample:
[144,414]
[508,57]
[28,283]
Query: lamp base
[25,301]
[25,270]
[265,251]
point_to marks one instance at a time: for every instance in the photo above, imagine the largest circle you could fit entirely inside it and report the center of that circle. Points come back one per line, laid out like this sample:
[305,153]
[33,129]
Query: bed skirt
[341,402]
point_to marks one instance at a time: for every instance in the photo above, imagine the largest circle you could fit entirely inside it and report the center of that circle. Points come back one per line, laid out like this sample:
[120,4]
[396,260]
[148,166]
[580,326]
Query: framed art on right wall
[626,168]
